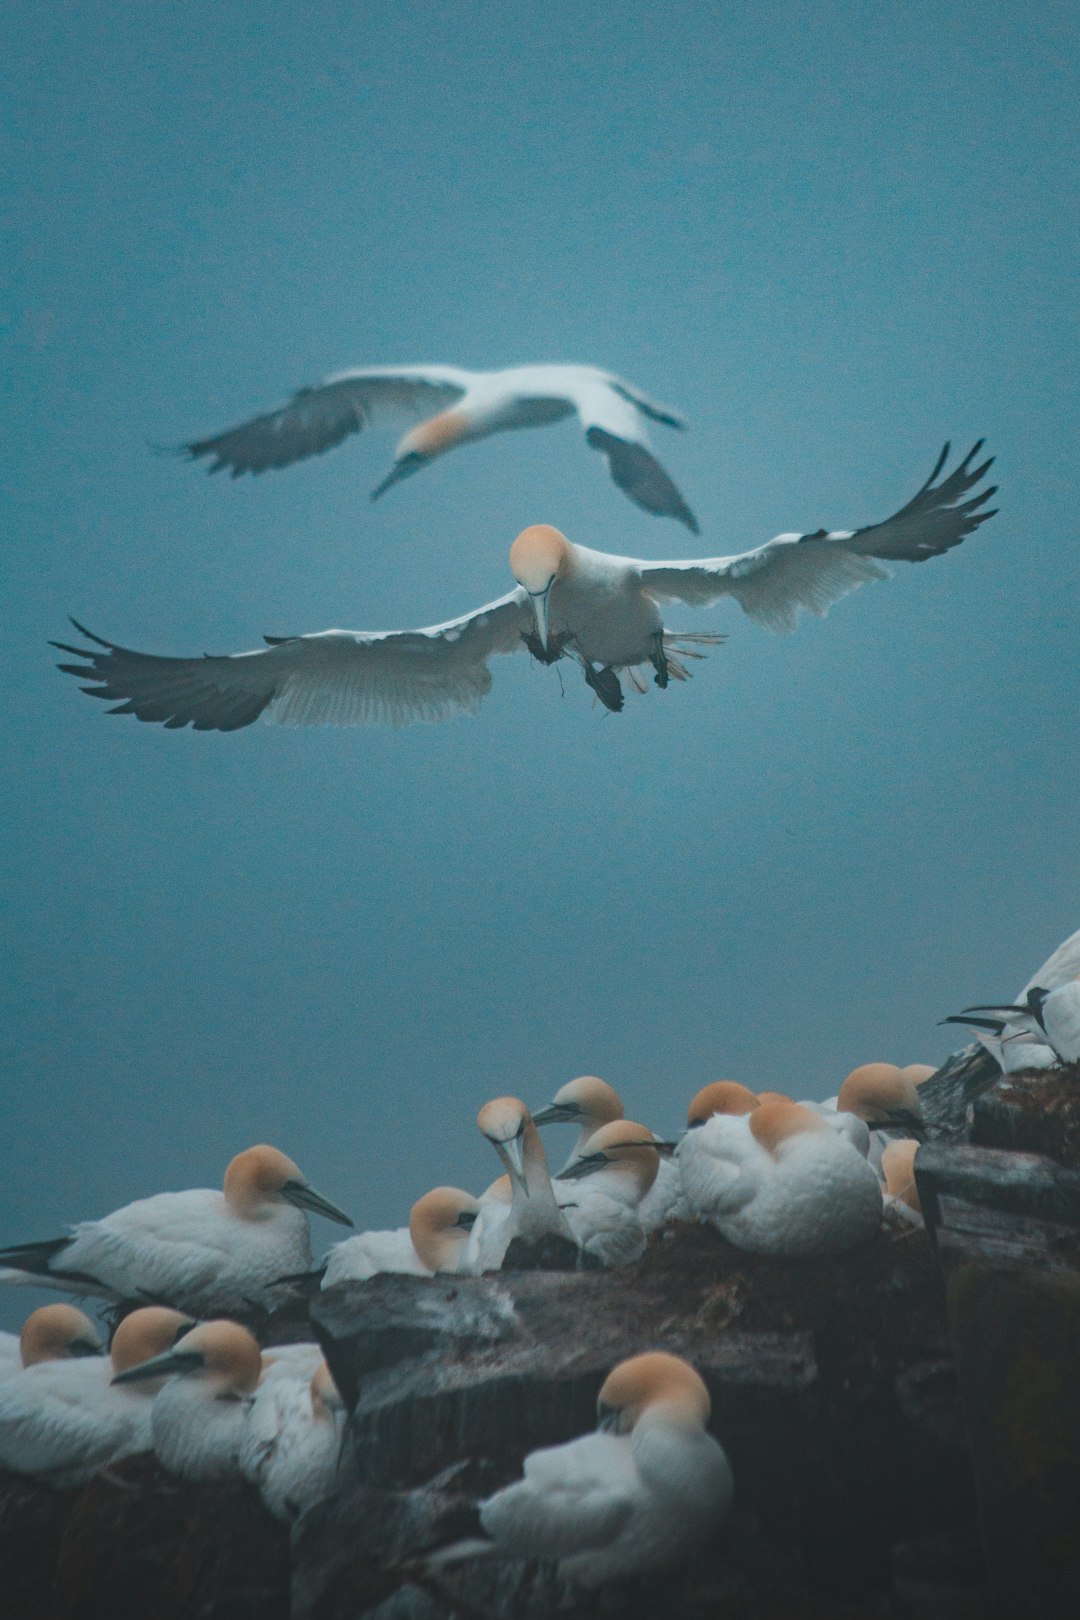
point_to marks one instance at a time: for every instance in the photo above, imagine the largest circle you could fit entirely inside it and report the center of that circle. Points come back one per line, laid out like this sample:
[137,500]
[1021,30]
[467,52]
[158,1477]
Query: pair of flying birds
[598,610]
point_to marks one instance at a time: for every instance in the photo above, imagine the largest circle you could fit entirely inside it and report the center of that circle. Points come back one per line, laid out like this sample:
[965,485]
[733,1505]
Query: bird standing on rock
[452,406]
[600,611]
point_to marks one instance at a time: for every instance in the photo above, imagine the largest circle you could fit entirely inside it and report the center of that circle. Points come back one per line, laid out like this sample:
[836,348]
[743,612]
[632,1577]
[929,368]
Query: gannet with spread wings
[569,602]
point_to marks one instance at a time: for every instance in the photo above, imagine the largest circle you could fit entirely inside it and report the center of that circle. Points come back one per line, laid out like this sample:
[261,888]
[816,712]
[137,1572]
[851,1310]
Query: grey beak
[173,1361]
[305,1197]
[554,1114]
[401,469]
[513,1154]
[583,1167]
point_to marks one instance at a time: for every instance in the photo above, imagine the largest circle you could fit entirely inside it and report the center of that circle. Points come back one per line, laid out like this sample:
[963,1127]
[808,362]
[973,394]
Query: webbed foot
[605,683]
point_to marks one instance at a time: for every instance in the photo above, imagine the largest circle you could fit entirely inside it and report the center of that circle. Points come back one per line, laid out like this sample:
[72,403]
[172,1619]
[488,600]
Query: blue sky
[834,236]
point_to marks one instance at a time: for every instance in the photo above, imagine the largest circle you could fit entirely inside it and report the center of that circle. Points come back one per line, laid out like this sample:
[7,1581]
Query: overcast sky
[834,235]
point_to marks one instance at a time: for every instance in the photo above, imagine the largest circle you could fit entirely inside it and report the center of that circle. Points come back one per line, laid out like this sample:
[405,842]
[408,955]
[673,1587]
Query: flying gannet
[601,612]
[589,1103]
[434,1240]
[451,406]
[197,1421]
[63,1420]
[200,1250]
[645,1488]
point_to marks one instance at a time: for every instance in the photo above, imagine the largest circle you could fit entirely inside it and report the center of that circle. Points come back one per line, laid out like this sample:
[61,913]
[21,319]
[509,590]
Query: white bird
[63,1420]
[51,1333]
[1051,1016]
[589,1103]
[434,1240]
[452,406]
[291,1440]
[1021,1045]
[200,1250]
[533,1215]
[639,1493]
[598,610]
[611,1176]
[886,1098]
[796,1189]
[849,1126]
[197,1421]
[715,1142]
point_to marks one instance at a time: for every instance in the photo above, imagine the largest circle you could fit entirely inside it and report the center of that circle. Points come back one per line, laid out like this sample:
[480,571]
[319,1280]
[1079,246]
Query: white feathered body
[290,1445]
[185,1249]
[600,602]
[610,1506]
[368,1253]
[814,1196]
[665,1200]
[62,1421]
[197,1431]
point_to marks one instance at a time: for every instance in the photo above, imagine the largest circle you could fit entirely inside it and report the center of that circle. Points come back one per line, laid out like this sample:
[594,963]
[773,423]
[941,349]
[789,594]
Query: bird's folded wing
[812,571]
[337,677]
[318,418]
[565,1504]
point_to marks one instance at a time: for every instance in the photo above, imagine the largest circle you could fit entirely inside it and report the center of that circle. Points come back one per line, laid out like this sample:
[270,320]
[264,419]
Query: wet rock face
[135,1545]
[1032,1113]
[833,1393]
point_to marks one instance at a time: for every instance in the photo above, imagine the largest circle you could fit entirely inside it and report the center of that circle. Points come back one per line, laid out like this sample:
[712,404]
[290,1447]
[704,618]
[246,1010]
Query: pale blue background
[834,235]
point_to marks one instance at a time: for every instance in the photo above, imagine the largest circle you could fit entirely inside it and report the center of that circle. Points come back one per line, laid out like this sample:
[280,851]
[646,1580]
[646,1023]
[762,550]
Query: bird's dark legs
[605,683]
[658,659]
[555,649]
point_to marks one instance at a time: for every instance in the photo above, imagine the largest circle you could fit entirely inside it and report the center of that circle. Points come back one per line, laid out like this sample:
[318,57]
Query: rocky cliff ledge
[902,1426]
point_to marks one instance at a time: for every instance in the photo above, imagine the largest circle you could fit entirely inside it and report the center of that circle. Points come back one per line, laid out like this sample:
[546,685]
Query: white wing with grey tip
[334,678]
[813,571]
[318,418]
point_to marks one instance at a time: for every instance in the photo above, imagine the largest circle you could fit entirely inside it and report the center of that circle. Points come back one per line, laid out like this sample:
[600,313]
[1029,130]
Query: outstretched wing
[335,678]
[611,414]
[316,419]
[813,571]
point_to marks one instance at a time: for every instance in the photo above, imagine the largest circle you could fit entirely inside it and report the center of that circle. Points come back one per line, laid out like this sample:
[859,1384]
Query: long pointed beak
[539,601]
[666,1150]
[401,469]
[583,1167]
[552,1114]
[173,1361]
[305,1197]
[513,1156]
[994,1025]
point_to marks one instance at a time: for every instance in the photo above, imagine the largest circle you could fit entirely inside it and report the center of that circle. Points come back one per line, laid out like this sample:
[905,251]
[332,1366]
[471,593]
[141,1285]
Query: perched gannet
[452,406]
[885,1098]
[1051,1016]
[1021,1044]
[200,1250]
[197,1421]
[898,1168]
[598,610]
[716,1139]
[434,1240]
[533,1213]
[637,1494]
[849,1126]
[291,1440]
[805,1193]
[63,1420]
[611,1176]
[51,1333]
[589,1103]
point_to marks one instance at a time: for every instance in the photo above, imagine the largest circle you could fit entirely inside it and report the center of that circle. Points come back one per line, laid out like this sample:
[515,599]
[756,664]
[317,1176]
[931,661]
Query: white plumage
[201,1250]
[459,406]
[598,610]
[291,1440]
[636,1496]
